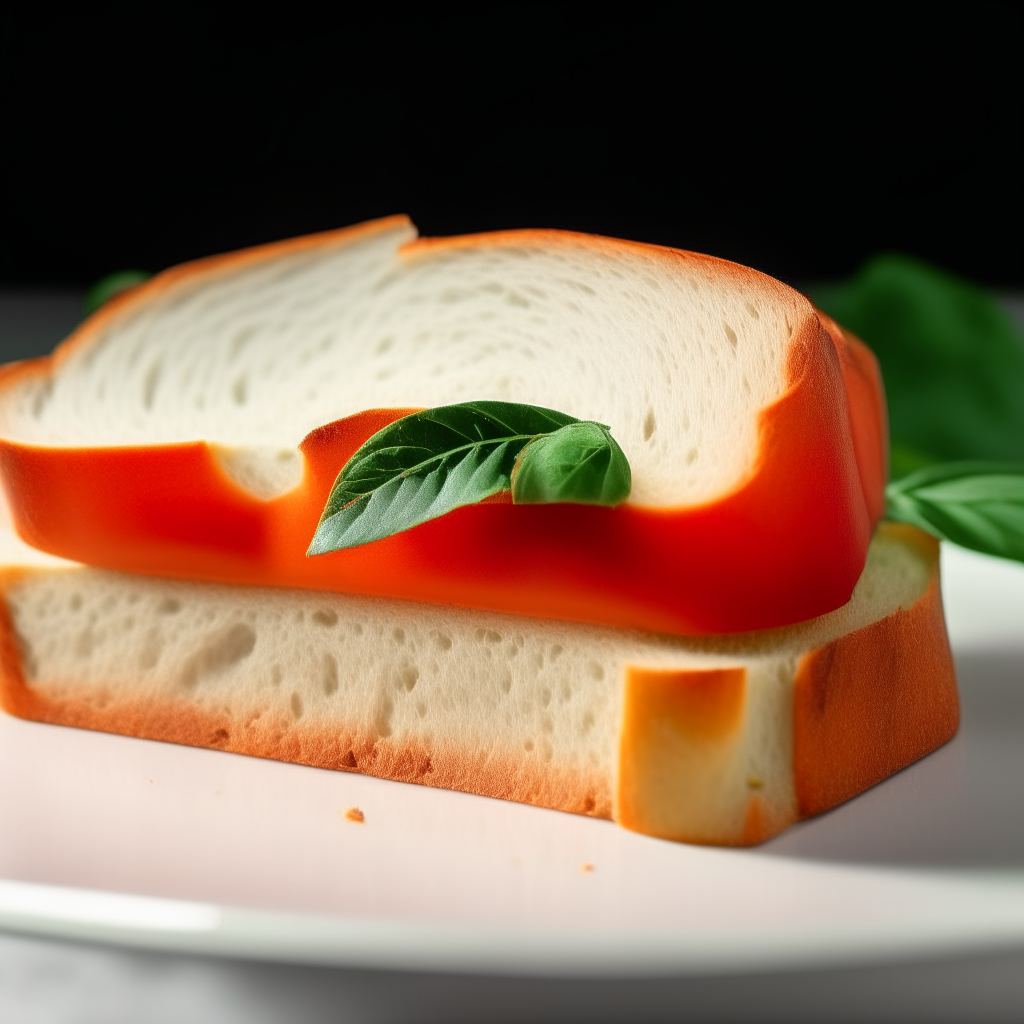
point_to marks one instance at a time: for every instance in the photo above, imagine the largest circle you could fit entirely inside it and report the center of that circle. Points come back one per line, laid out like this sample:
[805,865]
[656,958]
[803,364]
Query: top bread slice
[684,356]
[677,354]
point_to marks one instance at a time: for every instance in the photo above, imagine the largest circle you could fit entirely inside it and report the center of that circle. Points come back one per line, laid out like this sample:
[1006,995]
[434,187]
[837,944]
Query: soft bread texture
[677,353]
[193,427]
[715,740]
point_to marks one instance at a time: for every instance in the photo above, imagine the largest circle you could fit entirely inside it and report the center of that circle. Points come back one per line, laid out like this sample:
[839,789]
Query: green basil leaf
[429,463]
[951,357]
[113,284]
[580,463]
[977,505]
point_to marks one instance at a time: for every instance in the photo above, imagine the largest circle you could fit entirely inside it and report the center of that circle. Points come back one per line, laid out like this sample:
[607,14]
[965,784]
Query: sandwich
[711,653]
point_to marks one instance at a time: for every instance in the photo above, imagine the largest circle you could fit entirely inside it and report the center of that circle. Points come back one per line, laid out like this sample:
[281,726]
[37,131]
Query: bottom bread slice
[724,739]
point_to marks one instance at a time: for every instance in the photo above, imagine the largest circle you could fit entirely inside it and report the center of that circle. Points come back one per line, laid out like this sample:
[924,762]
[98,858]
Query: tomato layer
[787,544]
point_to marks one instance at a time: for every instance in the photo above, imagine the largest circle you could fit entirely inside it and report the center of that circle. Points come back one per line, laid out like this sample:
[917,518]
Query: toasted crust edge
[875,700]
[557,238]
[417,248]
[157,285]
[341,746]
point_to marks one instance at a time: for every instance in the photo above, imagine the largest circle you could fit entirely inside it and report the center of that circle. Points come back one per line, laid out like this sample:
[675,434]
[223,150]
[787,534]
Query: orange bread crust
[340,746]
[874,701]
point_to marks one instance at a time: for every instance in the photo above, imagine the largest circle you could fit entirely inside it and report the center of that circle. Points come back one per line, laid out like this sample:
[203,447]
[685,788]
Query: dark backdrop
[761,134]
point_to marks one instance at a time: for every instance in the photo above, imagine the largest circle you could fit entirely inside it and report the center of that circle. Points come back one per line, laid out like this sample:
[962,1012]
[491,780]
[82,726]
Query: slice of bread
[677,353]
[166,436]
[714,740]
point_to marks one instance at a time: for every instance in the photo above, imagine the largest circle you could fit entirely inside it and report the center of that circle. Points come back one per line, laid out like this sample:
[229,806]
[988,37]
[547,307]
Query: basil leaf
[429,463]
[113,284]
[977,505]
[580,463]
[951,357]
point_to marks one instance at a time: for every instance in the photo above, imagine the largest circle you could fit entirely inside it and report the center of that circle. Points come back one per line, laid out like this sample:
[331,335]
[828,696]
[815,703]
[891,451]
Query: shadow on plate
[962,806]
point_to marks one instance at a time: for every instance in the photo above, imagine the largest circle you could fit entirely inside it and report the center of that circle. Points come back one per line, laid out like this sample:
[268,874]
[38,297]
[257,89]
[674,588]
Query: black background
[762,134]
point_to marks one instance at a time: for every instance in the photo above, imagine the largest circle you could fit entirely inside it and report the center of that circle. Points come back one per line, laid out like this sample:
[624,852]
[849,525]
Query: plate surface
[178,848]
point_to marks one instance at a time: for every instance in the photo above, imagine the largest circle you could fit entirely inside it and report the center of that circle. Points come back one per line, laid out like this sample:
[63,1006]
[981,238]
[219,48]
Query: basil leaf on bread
[429,463]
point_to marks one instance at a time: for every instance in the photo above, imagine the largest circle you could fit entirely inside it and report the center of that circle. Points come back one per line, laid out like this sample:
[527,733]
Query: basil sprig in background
[429,463]
[977,505]
[951,356]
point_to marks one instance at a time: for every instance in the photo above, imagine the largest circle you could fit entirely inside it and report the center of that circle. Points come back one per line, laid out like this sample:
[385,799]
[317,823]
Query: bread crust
[335,745]
[418,248]
[874,701]
[125,301]
[554,238]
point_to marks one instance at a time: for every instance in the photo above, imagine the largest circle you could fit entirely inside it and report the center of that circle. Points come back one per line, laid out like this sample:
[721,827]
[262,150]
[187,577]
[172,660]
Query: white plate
[171,847]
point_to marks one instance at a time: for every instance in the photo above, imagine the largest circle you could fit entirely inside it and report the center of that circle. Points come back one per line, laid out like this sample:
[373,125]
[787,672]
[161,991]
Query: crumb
[354,814]
[754,781]
[586,868]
